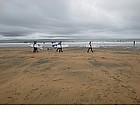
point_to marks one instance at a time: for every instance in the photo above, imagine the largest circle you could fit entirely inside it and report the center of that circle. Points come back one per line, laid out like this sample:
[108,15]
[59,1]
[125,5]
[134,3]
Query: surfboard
[39,46]
[93,46]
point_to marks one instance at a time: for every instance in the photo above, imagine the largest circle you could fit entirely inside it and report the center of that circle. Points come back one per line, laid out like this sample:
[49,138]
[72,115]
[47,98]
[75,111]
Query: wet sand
[107,76]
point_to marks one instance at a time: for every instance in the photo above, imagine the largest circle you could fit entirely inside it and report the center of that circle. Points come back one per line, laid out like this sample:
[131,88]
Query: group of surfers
[59,49]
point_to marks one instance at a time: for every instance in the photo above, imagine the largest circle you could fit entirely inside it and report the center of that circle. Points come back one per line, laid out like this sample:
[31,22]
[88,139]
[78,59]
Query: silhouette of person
[60,47]
[90,47]
[134,43]
[35,48]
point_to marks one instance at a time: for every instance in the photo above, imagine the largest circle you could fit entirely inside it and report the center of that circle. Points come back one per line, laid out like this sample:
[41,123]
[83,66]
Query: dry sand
[107,76]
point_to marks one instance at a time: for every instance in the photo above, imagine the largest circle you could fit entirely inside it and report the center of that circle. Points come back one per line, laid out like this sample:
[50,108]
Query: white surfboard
[39,46]
[65,45]
[93,46]
[56,45]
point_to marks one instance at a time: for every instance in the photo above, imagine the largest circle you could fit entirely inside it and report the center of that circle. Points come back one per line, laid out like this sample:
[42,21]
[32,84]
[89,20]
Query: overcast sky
[69,19]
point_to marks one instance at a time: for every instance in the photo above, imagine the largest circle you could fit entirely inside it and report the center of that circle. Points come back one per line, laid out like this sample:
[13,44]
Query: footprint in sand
[17,93]
[26,97]
[10,97]
[138,100]
[55,80]
[11,100]
[35,89]
[82,95]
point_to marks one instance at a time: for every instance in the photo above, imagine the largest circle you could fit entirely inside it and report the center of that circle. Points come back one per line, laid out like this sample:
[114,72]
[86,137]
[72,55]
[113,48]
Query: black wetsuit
[90,47]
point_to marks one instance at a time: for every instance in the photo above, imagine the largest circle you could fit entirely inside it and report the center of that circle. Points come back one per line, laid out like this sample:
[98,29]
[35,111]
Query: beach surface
[107,76]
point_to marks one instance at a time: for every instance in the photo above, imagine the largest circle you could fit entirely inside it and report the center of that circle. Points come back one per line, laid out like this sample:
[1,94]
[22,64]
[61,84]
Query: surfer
[35,48]
[134,43]
[59,47]
[90,47]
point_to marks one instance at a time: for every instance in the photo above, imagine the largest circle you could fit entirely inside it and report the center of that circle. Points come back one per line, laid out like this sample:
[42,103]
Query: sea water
[99,43]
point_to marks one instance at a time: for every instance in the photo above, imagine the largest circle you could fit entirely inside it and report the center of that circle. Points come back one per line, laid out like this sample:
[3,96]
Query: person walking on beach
[57,48]
[90,47]
[134,43]
[60,47]
[35,48]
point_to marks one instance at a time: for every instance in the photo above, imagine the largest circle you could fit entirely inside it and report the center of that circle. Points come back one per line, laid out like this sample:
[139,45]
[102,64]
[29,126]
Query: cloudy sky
[69,19]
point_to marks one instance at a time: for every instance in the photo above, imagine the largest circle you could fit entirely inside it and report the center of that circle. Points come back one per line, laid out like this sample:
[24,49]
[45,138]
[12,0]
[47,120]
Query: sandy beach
[107,76]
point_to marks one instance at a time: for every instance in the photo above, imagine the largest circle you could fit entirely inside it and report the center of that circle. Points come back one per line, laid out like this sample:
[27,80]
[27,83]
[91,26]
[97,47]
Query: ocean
[96,43]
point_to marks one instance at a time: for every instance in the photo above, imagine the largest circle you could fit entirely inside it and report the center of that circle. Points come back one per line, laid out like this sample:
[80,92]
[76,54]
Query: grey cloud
[13,34]
[83,18]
